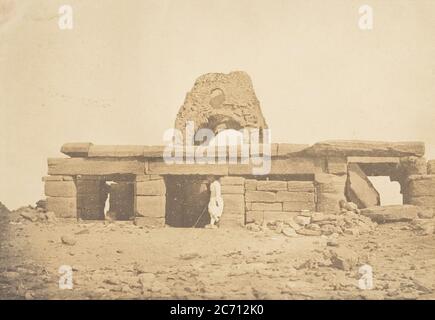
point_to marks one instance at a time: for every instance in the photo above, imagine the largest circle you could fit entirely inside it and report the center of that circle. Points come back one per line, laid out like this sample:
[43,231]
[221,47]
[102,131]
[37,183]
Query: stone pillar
[61,193]
[150,201]
[330,190]
[233,193]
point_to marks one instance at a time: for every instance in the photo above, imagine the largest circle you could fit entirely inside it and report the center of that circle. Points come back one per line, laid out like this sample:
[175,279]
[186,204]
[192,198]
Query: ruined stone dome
[220,101]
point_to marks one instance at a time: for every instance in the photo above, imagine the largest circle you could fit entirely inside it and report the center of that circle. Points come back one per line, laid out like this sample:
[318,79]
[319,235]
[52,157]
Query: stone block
[161,168]
[300,186]
[329,202]
[57,178]
[275,206]
[63,207]
[422,201]
[359,188]
[336,165]
[60,189]
[260,196]
[250,185]
[234,204]
[151,188]
[150,206]
[413,165]
[293,206]
[231,221]
[420,185]
[76,149]
[330,183]
[271,185]
[392,213]
[153,151]
[367,148]
[230,189]
[431,167]
[295,196]
[233,181]
[80,166]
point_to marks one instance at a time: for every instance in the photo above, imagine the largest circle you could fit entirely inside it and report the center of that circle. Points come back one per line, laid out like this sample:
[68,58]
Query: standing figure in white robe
[216,204]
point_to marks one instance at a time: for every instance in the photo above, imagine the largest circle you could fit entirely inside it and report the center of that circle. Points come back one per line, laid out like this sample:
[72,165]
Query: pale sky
[121,74]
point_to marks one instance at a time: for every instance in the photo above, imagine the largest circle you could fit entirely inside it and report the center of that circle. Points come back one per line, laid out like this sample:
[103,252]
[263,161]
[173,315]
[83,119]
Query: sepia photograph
[216,151]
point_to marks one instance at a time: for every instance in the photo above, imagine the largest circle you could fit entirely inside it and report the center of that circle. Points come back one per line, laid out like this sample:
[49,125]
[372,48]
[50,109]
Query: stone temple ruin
[302,177]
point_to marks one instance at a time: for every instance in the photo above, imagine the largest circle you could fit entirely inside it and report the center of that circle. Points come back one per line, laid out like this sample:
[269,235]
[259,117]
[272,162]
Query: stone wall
[277,199]
[150,200]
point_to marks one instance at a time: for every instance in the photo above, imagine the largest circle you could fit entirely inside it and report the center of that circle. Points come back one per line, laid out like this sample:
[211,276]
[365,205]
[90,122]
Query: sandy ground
[123,261]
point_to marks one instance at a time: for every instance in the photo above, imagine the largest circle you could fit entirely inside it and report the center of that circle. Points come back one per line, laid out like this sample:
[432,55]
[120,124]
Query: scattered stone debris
[343,258]
[68,240]
[309,223]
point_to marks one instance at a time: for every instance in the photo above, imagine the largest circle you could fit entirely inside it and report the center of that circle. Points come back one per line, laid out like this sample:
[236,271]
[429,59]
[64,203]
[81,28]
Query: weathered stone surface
[374,160]
[293,206]
[161,168]
[285,149]
[79,166]
[231,221]
[276,206]
[300,186]
[60,189]
[330,183]
[308,232]
[76,149]
[423,201]
[260,196]
[57,178]
[295,196]
[68,240]
[218,100]
[250,185]
[62,207]
[153,151]
[359,188]
[151,188]
[230,189]
[234,204]
[431,167]
[271,185]
[301,220]
[299,166]
[392,213]
[329,202]
[413,165]
[149,222]
[368,148]
[117,151]
[330,190]
[233,181]
[421,185]
[336,165]
[343,258]
[254,217]
[150,206]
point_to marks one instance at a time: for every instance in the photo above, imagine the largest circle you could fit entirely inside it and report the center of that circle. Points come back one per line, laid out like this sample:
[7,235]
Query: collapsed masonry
[302,177]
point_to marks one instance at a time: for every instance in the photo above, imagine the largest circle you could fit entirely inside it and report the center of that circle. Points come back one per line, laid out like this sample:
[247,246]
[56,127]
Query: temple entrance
[187,199]
[105,197]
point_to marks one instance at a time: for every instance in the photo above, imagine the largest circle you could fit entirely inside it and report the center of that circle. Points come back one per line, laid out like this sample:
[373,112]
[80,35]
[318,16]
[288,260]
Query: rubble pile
[308,223]
[32,214]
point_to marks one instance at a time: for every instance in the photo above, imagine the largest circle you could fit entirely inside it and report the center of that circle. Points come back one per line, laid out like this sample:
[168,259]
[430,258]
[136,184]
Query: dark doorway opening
[187,199]
[105,197]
